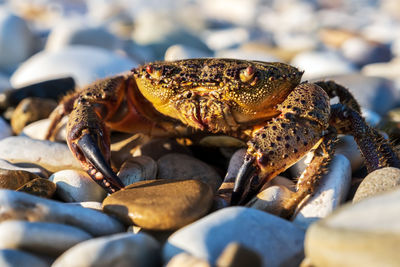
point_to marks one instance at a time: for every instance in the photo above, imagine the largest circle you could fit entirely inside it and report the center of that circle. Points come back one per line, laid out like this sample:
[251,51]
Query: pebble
[89,204]
[38,130]
[80,32]
[277,241]
[4,82]
[182,167]
[377,182]
[156,148]
[246,55]
[137,169]
[226,38]
[77,186]
[12,179]
[125,249]
[30,110]
[237,255]
[177,52]
[22,206]
[388,70]
[330,193]
[16,40]
[14,257]
[187,260]
[49,155]
[39,187]
[160,204]
[84,63]
[5,129]
[314,64]
[35,170]
[40,237]
[360,234]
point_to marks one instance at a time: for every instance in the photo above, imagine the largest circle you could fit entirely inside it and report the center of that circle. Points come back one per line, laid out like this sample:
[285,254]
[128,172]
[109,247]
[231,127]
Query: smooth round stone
[16,40]
[89,205]
[29,110]
[49,155]
[226,38]
[186,260]
[160,204]
[295,41]
[35,170]
[80,32]
[5,129]
[157,148]
[12,179]
[246,55]
[13,258]
[77,186]
[331,192]
[137,169]
[276,240]
[39,187]
[22,206]
[314,64]
[360,234]
[389,70]
[38,130]
[183,167]
[236,255]
[177,52]
[126,249]
[45,238]
[84,63]
[377,182]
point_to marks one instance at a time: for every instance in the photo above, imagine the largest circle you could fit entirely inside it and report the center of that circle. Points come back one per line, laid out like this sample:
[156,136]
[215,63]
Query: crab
[264,104]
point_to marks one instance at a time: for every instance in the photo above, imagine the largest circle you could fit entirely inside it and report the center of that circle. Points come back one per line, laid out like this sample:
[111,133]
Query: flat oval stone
[160,204]
[39,187]
[12,179]
[4,164]
[137,169]
[125,249]
[45,238]
[14,257]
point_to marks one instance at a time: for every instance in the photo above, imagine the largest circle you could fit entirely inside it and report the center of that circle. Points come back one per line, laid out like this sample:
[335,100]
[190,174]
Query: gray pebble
[18,258]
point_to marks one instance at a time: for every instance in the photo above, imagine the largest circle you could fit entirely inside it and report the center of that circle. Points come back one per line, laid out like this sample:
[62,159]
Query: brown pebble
[12,179]
[237,255]
[160,204]
[39,187]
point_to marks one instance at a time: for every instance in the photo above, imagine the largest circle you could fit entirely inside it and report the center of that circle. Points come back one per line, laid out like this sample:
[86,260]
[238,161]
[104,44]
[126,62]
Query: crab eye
[247,74]
[154,73]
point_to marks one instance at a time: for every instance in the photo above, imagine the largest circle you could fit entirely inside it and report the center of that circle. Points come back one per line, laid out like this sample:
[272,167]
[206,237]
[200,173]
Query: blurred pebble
[347,146]
[178,52]
[330,193]
[186,260]
[314,64]
[237,255]
[226,38]
[360,234]
[390,70]
[156,148]
[5,129]
[258,231]
[181,167]
[35,170]
[160,204]
[12,179]
[246,55]
[295,41]
[49,155]
[84,63]
[125,249]
[38,130]
[77,186]
[377,182]
[30,110]
[80,32]
[17,42]
[137,169]
[14,257]
[4,82]
[22,206]
[89,205]
[39,187]
[41,237]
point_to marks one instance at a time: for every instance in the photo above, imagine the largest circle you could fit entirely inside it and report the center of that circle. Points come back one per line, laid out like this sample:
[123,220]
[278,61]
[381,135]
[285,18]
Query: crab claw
[101,171]
[246,172]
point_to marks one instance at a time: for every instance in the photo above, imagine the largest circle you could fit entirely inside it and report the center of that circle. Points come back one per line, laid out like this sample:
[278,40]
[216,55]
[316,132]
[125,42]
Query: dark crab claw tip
[93,154]
[245,172]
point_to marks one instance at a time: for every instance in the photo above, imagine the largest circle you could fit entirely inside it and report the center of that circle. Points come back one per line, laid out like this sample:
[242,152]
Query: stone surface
[377,182]
[160,204]
[182,167]
[124,249]
[277,241]
[89,204]
[30,110]
[247,55]
[186,260]
[330,193]
[22,206]
[13,258]
[137,169]
[49,155]
[46,238]
[24,167]
[84,63]
[39,187]
[77,186]
[157,148]
[177,52]
[38,130]
[360,234]
[5,129]
[236,255]
[12,179]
